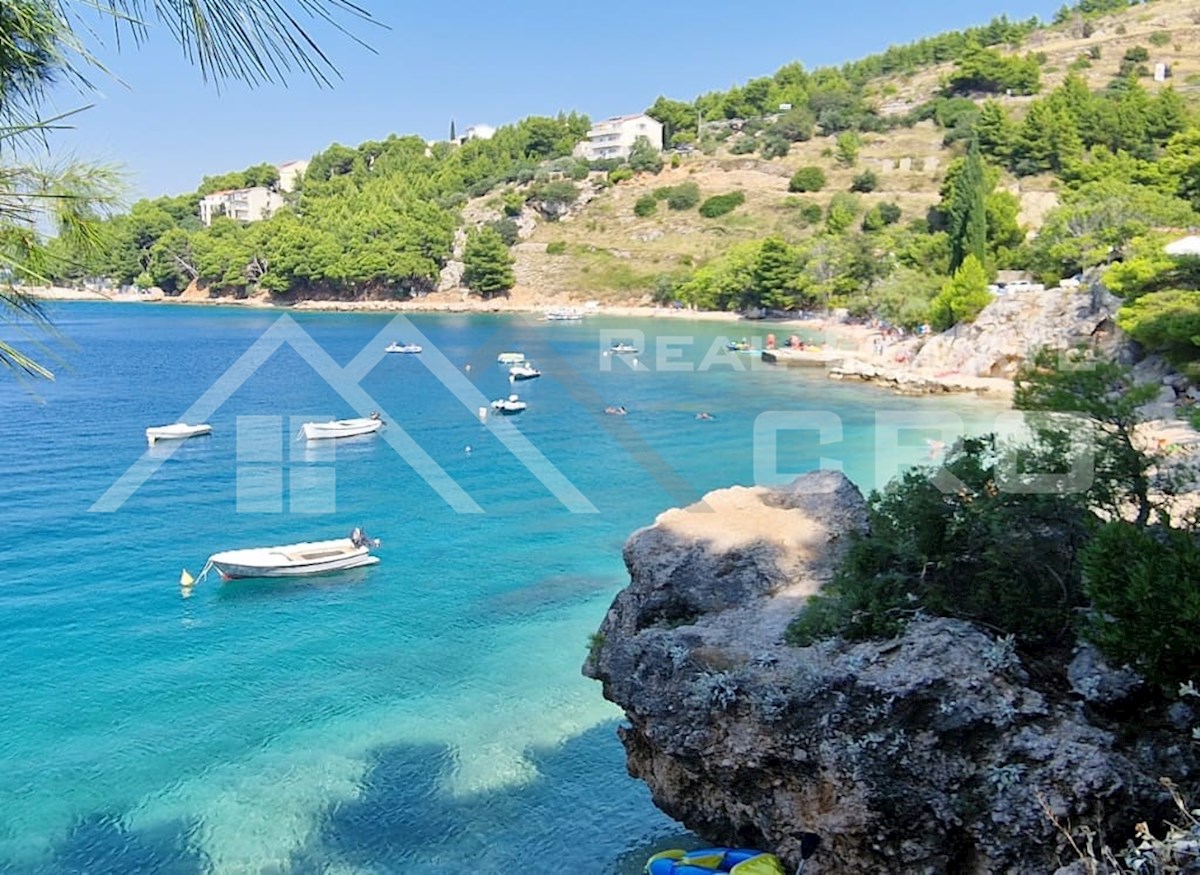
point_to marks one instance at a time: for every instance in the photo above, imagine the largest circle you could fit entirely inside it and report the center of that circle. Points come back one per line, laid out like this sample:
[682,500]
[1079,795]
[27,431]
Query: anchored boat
[524,371]
[407,348]
[341,428]
[292,560]
[176,432]
[507,406]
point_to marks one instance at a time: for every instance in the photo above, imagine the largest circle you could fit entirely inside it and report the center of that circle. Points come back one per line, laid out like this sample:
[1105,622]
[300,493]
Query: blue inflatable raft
[709,860]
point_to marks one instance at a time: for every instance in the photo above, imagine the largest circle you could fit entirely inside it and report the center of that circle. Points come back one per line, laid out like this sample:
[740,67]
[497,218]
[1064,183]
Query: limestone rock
[927,753]
[451,276]
[1011,328]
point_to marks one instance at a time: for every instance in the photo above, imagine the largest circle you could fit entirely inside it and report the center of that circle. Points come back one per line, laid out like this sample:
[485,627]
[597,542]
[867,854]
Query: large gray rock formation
[932,752]
[1011,328]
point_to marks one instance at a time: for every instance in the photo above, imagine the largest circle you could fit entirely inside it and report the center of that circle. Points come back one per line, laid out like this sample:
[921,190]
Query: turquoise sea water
[424,715]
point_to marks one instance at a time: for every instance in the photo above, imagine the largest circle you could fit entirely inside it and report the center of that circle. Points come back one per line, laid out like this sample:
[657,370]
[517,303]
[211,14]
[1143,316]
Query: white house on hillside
[241,204]
[289,172]
[614,137]
[479,132]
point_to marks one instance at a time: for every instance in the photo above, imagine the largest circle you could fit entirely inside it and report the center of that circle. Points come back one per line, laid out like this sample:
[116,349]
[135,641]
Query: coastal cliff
[932,752]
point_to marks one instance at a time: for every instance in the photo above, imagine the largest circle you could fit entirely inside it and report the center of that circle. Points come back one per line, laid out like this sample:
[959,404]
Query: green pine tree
[962,296]
[452,136]
[489,266]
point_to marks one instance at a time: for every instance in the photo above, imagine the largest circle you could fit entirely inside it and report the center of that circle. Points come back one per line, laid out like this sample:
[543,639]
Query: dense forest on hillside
[380,218]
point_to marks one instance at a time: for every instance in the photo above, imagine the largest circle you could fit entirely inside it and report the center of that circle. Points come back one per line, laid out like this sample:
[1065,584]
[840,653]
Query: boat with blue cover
[739,861]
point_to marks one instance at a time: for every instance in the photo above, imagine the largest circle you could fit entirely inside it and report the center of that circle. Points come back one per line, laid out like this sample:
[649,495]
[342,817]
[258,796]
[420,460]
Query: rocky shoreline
[932,752]
[979,359]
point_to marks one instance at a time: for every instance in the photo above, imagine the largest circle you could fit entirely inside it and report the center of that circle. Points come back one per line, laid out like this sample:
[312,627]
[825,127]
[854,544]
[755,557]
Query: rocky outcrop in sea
[937,751]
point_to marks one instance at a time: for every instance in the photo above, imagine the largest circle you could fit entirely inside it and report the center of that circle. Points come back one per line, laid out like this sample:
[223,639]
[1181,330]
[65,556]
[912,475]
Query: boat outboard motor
[360,539]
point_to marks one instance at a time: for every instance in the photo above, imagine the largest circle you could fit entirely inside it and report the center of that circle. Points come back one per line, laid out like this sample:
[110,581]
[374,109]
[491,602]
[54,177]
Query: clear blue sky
[476,61]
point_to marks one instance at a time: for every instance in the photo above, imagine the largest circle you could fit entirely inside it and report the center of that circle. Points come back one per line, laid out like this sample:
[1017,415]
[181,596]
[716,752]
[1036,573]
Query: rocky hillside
[937,751]
[604,251]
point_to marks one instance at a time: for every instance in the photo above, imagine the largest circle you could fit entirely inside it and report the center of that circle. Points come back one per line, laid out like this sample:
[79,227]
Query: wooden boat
[296,560]
[341,428]
[406,348]
[178,431]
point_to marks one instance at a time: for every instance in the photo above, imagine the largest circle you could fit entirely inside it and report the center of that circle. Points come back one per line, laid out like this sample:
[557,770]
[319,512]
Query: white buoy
[468,449]
[482,414]
[467,368]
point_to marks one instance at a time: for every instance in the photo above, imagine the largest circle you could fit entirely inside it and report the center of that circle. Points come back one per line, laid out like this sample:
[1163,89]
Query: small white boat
[511,358]
[622,349]
[341,428]
[507,406]
[407,348]
[296,560]
[524,371]
[177,432]
[564,314]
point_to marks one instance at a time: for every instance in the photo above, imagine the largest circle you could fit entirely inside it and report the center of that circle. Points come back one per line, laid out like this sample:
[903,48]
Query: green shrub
[1005,560]
[774,146]
[866,181]
[557,247]
[514,202]
[559,191]
[720,204]
[810,212]
[807,179]
[644,158]
[880,216]
[1143,585]
[1166,321]
[744,145]
[843,209]
[848,145]
[683,196]
[647,205]
[1160,38]
[507,229]
[620,174]
[675,161]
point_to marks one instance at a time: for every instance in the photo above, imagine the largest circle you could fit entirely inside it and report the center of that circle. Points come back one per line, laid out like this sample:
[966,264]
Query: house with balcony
[240,204]
[614,137]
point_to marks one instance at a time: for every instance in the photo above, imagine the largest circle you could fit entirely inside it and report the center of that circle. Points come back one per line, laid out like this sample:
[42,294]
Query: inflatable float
[709,860]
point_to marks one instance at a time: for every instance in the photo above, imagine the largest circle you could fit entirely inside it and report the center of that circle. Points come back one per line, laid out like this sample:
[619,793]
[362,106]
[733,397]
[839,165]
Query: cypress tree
[967,219]
[452,137]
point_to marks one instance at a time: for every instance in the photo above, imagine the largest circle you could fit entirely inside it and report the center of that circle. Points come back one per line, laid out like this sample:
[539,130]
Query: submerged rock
[928,753]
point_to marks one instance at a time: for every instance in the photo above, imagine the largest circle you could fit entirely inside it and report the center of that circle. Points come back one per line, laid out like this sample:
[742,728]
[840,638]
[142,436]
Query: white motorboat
[511,358]
[622,349]
[524,371]
[507,406]
[177,432]
[295,560]
[341,428]
[407,348]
